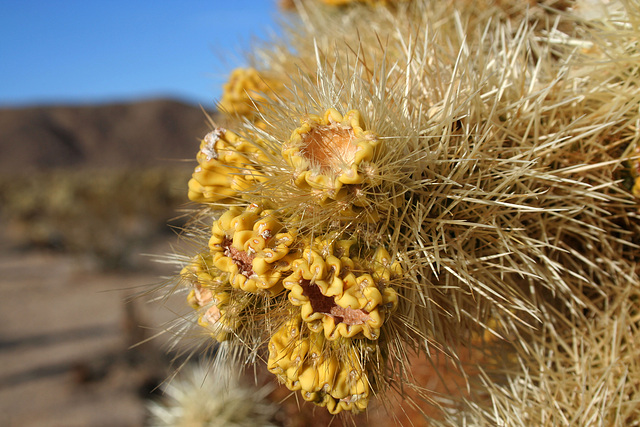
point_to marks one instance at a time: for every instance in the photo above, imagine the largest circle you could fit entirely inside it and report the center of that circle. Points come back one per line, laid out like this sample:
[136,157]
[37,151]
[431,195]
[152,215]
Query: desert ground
[65,336]
[80,210]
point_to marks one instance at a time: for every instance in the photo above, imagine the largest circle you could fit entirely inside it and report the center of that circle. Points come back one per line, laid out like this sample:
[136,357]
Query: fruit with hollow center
[252,247]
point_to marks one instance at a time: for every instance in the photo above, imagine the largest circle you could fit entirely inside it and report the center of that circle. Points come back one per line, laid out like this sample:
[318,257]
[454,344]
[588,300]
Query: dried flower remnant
[226,165]
[301,360]
[326,152]
[209,296]
[339,295]
[252,247]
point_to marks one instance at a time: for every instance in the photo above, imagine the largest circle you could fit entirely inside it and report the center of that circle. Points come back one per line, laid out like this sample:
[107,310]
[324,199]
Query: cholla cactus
[368,2]
[337,380]
[211,396]
[224,167]
[634,169]
[249,246]
[340,296]
[329,152]
[429,187]
[245,91]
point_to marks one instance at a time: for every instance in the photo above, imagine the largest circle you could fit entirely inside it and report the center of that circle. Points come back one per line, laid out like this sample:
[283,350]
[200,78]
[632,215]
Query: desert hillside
[100,180]
[124,135]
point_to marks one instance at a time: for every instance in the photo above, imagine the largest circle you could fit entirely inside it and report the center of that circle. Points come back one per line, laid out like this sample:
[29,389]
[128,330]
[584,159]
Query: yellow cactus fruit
[326,152]
[210,297]
[337,300]
[252,247]
[225,167]
[635,172]
[244,91]
[383,268]
[299,361]
[338,2]
[367,2]
[351,389]
[287,351]
[337,383]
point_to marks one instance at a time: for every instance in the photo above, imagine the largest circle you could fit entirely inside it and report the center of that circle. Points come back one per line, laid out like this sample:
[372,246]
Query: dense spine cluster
[430,180]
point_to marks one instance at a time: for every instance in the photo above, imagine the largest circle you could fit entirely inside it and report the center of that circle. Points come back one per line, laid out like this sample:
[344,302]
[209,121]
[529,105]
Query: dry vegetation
[109,214]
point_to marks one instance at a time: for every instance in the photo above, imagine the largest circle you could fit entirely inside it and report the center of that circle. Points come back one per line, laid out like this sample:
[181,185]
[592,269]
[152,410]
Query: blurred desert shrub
[108,214]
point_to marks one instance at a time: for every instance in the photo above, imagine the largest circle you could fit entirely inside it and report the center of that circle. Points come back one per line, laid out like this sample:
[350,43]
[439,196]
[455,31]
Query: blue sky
[88,51]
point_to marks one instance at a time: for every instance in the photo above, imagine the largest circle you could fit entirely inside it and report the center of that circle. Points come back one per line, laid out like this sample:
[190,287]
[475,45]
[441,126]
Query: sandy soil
[65,333]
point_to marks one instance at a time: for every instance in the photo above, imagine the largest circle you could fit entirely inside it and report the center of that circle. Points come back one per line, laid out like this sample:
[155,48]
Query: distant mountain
[138,134]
